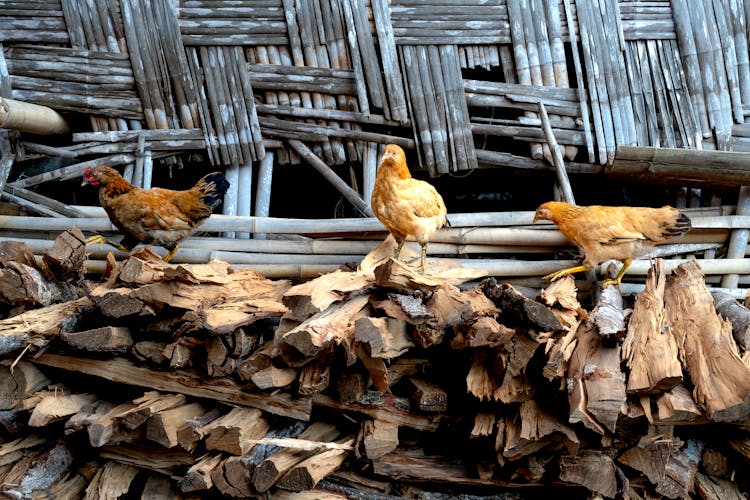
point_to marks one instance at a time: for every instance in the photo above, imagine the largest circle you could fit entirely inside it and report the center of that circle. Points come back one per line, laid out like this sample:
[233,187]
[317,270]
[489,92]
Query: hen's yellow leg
[171,253]
[399,247]
[617,279]
[565,272]
[424,257]
[101,241]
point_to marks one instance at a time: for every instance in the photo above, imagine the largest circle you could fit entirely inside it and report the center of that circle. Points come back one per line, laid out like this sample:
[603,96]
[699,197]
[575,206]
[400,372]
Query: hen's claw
[565,272]
[101,241]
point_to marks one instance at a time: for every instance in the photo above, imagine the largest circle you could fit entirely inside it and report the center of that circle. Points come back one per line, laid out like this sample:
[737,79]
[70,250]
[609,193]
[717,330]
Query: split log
[484,425]
[111,481]
[236,431]
[483,378]
[738,314]
[225,390]
[518,310]
[676,406]
[65,260]
[18,381]
[335,325]
[316,376]
[218,361]
[385,407]
[148,405]
[592,469]
[38,471]
[351,386]
[669,464]
[380,438]
[708,352]
[107,427]
[649,350]
[190,434]
[428,397]
[386,337]
[87,415]
[155,458]
[198,477]
[608,315]
[38,326]
[55,407]
[111,339]
[274,378]
[16,251]
[537,429]
[317,295]
[272,468]
[24,284]
[515,386]
[307,474]
[162,427]
[596,384]
[714,488]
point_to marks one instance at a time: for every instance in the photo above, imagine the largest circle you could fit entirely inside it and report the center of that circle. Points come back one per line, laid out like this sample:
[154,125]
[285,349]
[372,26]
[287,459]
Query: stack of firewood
[196,381]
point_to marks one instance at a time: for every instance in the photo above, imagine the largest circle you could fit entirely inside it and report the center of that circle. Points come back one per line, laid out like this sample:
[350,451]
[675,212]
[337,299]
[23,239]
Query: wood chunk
[307,474]
[537,429]
[592,469]
[170,462]
[484,425]
[380,438]
[235,432]
[261,359]
[715,463]
[112,339]
[376,367]
[272,468]
[180,353]
[669,464]
[274,378]
[225,390]
[714,488]
[428,397]
[148,405]
[16,251]
[38,326]
[335,325]
[111,481]
[12,450]
[409,308]
[315,296]
[162,427]
[561,292]
[18,382]
[65,260]
[414,465]
[198,477]
[54,407]
[485,331]
[386,337]
[218,361]
[559,351]
[708,352]
[149,350]
[448,306]
[608,315]
[515,386]
[38,471]
[596,384]
[738,314]
[87,415]
[483,379]
[677,406]
[649,350]
[350,386]
[107,427]
[191,431]
[518,310]
[25,284]
[403,367]
[315,377]
[159,486]
[426,336]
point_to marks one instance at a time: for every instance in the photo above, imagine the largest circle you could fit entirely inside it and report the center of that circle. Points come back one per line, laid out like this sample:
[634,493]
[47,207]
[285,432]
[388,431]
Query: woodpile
[202,380]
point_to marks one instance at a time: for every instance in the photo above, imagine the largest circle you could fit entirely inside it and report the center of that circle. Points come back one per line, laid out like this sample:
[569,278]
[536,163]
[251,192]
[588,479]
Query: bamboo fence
[652,92]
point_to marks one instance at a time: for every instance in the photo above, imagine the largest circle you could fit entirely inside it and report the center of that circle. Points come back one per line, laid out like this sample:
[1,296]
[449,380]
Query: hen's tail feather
[212,188]
[680,226]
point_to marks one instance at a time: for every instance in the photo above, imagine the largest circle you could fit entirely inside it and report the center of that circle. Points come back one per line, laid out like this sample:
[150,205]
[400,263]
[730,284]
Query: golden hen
[154,216]
[406,206]
[619,233]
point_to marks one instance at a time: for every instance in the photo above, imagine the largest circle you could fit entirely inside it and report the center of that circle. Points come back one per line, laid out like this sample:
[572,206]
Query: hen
[619,233]
[155,216]
[406,206]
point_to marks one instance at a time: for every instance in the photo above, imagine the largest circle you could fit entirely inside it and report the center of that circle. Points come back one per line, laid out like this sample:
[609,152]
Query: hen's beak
[536,217]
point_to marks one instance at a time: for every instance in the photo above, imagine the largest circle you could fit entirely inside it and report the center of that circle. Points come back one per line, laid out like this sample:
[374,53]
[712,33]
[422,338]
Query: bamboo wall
[257,84]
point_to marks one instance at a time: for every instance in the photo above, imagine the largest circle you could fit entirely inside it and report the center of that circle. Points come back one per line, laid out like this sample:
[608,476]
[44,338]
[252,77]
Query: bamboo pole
[31,118]
[562,174]
[263,196]
[738,241]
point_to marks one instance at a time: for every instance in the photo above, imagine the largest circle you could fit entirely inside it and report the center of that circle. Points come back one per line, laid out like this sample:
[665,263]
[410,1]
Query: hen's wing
[148,210]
